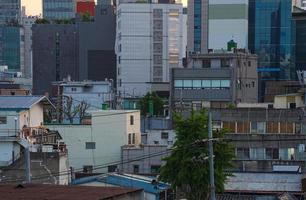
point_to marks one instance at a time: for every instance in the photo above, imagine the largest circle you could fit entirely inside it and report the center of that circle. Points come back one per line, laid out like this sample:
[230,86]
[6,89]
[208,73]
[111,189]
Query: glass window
[225,83]
[90,145]
[131,119]
[286,154]
[206,83]
[272,153]
[155,169]
[3,120]
[178,83]
[196,83]
[257,153]
[215,83]
[136,169]
[258,127]
[243,153]
[187,83]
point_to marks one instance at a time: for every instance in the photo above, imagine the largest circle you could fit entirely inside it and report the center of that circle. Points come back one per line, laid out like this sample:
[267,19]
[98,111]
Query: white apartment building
[148,44]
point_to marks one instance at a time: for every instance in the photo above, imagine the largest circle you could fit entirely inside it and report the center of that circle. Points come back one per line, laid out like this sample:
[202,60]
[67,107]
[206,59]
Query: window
[197,84]
[206,83]
[178,83]
[87,169]
[215,83]
[103,11]
[164,135]
[155,169]
[286,154]
[243,153]
[258,127]
[129,139]
[90,145]
[257,153]
[119,59]
[187,83]
[136,169]
[73,89]
[272,153]
[131,119]
[225,83]
[249,63]
[133,138]
[112,168]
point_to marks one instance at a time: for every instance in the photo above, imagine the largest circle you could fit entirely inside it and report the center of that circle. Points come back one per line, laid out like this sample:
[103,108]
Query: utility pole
[211,159]
[27,165]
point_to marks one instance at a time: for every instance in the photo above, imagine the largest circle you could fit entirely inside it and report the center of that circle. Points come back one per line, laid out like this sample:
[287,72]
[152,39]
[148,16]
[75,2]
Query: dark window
[243,153]
[129,139]
[133,138]
[249,63]
[87,169]
[112,168]
[90,145]
[136,169]
[155,169]
[3,120]
[272,153]
[131,119]
[12,93]
[164,135]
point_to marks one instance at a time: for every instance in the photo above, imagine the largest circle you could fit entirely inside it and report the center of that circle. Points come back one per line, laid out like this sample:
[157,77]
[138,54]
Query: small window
[87,169]
[12,93]
[129,139]
[136,169]
[133,138]
[73,89]
[131,119]
[90,145]
[249,63]
[178,83]
[155,169]
[3,120]
[164,135]
[112,168]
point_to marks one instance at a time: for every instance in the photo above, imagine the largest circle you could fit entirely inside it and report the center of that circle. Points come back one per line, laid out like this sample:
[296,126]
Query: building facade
[55,55]
[12,48]
[84,6]
[211,24]
[59,9]
[299,49]
[10,12]
[215,80]
[148,45]
[270,38]
[99,142]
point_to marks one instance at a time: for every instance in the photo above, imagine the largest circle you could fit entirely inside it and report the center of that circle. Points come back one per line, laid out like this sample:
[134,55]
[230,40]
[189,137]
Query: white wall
[109,130]
[36,115]
[6,152]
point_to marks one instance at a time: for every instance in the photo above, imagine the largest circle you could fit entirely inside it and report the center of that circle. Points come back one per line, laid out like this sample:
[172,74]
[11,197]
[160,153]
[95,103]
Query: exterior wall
[59,9]
[284,101]
[8,129]
[54,53]
[8,149]
[153,50]
[63,168]
[229,15]
[36,115]
[109,131]
[10,11]
[155,137]
[144,165]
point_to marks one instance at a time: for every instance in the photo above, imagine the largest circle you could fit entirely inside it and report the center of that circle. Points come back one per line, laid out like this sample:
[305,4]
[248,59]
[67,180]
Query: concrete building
[11,88]
[59,9]
[12,47]
[55,55]
[27,22]
[148,45]
[215,80]
[153,190]
[83,51]
[299,40]
[10,12]
[99,143]
[211,24]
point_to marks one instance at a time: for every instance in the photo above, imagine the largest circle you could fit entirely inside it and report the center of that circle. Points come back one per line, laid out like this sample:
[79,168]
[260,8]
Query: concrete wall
[155,137]
[7,151]
[109,131]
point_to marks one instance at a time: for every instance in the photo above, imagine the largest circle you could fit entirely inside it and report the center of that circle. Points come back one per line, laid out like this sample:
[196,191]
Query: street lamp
[15,125]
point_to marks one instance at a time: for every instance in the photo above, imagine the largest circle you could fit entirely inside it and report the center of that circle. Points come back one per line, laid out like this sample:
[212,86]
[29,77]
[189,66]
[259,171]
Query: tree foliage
[185,168]
[158,104]
[86,17]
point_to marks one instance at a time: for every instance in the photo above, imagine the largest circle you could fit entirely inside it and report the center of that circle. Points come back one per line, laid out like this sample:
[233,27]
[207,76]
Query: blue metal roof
[19,102]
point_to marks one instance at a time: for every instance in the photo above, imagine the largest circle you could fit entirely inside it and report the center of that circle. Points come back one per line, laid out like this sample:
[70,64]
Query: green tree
[42,21]
[156,102]
[187,167]
[86,17]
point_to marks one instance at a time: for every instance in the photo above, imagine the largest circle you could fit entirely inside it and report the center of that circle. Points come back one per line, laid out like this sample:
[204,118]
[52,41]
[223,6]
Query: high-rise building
[59,9]
[9,11]
[270,38]
[212,23]
[148,45]
[12,47]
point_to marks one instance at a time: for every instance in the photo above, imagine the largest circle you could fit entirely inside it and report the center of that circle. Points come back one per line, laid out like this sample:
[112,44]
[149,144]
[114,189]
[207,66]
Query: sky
[34,7]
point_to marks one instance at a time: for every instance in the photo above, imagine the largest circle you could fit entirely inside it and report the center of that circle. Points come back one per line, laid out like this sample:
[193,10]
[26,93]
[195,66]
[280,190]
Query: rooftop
[20,102]
[59,192]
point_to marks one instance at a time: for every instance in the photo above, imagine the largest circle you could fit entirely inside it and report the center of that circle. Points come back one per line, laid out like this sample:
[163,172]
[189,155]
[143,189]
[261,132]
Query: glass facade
[270,37]
[59,9]
[299,40]
[197,25]
[202,84]
[9,11]
[10,40]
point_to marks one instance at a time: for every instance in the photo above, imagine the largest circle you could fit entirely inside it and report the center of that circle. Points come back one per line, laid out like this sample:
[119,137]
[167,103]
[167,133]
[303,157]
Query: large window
[258,127]
[243,153]
[257,153]
[202,84]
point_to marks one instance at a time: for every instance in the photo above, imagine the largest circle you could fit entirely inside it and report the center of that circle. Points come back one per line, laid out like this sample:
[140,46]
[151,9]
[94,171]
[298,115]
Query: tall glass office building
[270,38]
[59,9]
[9,11]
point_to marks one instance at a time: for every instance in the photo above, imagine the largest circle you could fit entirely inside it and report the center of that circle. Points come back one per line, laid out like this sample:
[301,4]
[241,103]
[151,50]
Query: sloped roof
[20,102]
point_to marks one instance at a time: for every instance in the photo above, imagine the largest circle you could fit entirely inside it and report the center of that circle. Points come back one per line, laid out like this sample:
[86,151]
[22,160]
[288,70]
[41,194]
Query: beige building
[98,142]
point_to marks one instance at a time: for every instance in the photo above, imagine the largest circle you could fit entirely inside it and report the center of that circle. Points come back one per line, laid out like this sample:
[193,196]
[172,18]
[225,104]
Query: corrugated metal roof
[19,102]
